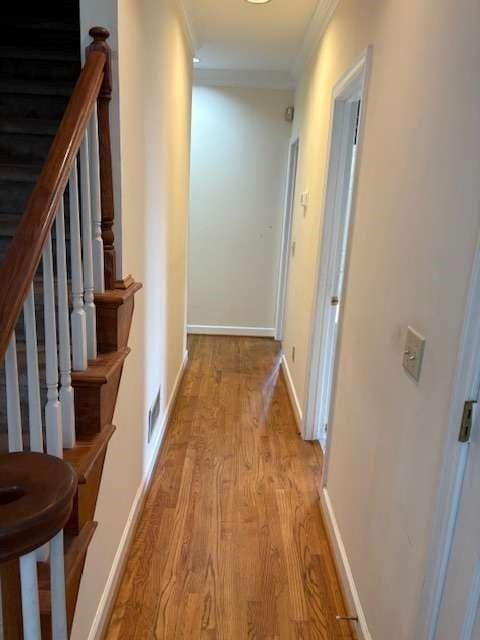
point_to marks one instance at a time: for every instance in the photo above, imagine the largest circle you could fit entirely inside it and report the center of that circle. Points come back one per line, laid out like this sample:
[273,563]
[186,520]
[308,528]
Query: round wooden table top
[36,496]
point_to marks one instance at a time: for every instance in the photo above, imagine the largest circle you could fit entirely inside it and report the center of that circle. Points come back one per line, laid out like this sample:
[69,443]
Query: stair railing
[76,261]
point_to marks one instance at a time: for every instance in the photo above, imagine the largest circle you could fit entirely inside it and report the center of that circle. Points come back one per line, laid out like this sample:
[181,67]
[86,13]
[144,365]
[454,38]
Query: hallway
[231,543]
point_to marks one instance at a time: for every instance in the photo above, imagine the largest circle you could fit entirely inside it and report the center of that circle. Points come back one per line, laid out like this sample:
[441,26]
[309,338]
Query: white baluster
[98,271]
[57,583]
[87,250]
[53,413]
[78,318]
[34,402]
[66,389]
[14,416]
[30,604]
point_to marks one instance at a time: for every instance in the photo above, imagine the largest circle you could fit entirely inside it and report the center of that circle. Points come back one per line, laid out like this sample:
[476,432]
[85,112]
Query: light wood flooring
[231,544]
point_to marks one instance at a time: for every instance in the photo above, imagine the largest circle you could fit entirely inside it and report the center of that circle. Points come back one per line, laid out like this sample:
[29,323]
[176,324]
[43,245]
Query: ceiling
[236,35]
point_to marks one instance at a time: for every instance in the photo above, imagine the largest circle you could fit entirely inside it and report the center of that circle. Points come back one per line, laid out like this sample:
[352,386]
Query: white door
[336,272]
[460,607]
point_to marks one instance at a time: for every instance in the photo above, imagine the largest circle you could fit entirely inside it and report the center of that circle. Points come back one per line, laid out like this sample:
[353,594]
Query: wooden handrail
[24,254]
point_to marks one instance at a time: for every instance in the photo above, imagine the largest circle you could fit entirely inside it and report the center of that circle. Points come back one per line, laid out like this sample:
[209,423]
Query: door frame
[287,226]
[455,458]
[351,86]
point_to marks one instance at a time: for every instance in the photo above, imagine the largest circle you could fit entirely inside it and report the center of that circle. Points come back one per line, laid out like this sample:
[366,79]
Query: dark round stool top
[36,496]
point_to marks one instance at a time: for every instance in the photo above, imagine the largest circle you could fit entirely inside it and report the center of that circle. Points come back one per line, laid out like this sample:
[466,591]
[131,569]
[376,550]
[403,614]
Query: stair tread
[30,126]
[100,369]
[36,87]
[86,452]
[75,550]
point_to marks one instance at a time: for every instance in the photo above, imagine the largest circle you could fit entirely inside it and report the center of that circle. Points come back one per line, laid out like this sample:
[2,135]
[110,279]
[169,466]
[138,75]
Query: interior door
[338,265]
[459,617]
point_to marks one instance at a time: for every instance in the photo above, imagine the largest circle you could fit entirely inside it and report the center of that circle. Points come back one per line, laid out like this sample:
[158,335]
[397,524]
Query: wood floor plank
[231,545]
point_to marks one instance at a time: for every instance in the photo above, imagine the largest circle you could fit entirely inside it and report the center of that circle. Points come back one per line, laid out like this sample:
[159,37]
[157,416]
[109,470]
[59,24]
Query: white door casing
[334,246]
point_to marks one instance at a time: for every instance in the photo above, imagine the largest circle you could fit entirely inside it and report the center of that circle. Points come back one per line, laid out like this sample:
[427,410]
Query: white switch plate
[413,353]
[304,199]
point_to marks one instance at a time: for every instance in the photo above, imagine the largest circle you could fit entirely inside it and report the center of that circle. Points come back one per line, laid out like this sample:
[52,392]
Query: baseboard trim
[221,330]
[104,610]
[292,394]
[350,591]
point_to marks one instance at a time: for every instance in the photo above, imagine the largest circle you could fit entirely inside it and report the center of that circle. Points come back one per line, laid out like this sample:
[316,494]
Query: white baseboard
[220,330]
[292,394]
[102,616]
[342,563]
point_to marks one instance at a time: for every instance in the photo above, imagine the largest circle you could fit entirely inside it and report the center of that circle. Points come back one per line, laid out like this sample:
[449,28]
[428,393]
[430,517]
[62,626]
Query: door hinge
[467,421]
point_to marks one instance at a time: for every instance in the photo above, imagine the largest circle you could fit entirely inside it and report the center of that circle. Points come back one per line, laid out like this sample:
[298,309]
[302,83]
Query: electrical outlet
[293,354]
[154,414]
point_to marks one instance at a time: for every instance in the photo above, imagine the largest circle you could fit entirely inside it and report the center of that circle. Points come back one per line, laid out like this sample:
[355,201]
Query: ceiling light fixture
[258,1]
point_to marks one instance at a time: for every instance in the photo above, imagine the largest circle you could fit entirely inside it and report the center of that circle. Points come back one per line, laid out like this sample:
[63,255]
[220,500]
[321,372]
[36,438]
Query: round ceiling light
[258,1]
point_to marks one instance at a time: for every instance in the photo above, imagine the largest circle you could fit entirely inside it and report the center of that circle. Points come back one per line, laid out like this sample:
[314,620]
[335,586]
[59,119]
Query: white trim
[316,28]
[349,588]
[353,84]
[107,600]
[455,457]
[188,25]
[285,246]
[255,78]
[224,330]
[292,392]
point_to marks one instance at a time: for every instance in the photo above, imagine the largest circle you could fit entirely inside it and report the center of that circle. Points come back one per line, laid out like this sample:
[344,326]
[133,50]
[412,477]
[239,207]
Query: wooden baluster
[53,412]
[34,402]
[78,318]
[66,389]
[14,417]
[99,43]
[30,603]
[57,585]
[87,249]
[98,263]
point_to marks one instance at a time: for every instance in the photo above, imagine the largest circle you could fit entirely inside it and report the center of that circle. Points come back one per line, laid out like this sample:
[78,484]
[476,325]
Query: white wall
[239,154]
[153,143]
[414,233]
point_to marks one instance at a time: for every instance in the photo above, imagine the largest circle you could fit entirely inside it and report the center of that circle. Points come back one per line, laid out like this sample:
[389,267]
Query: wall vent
[153,415]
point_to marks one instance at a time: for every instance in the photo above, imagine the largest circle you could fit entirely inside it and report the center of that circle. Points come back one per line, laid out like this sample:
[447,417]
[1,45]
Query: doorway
[450,603]
[286,239]
[348,98]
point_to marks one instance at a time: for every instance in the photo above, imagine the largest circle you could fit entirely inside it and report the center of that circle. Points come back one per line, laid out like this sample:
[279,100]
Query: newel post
[100,36]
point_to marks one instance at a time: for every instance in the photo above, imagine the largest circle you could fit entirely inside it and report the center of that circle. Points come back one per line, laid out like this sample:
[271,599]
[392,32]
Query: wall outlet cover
[413,353]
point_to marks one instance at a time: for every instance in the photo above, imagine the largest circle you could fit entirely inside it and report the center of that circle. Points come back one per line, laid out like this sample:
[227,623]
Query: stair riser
[14,196]
[32,106]
[34,69]
[46,38]
[86,499]
[18,147]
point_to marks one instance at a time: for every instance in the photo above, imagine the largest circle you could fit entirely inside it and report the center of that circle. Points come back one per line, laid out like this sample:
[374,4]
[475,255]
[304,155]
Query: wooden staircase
[95,388]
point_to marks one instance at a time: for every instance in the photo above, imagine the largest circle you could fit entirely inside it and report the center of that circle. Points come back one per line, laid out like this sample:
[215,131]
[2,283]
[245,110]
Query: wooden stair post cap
[36,497]
[99,33]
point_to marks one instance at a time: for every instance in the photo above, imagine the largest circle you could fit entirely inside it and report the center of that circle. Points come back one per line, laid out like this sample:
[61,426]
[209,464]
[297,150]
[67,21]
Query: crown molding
[318,25]
[255,78]
[188,24]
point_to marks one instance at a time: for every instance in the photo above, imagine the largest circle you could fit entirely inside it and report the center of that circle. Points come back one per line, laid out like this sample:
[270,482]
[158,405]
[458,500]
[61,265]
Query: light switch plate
[413,353]
[304,199]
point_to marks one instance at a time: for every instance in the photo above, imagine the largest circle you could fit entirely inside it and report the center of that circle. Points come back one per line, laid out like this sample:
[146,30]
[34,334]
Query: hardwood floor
[231,545]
